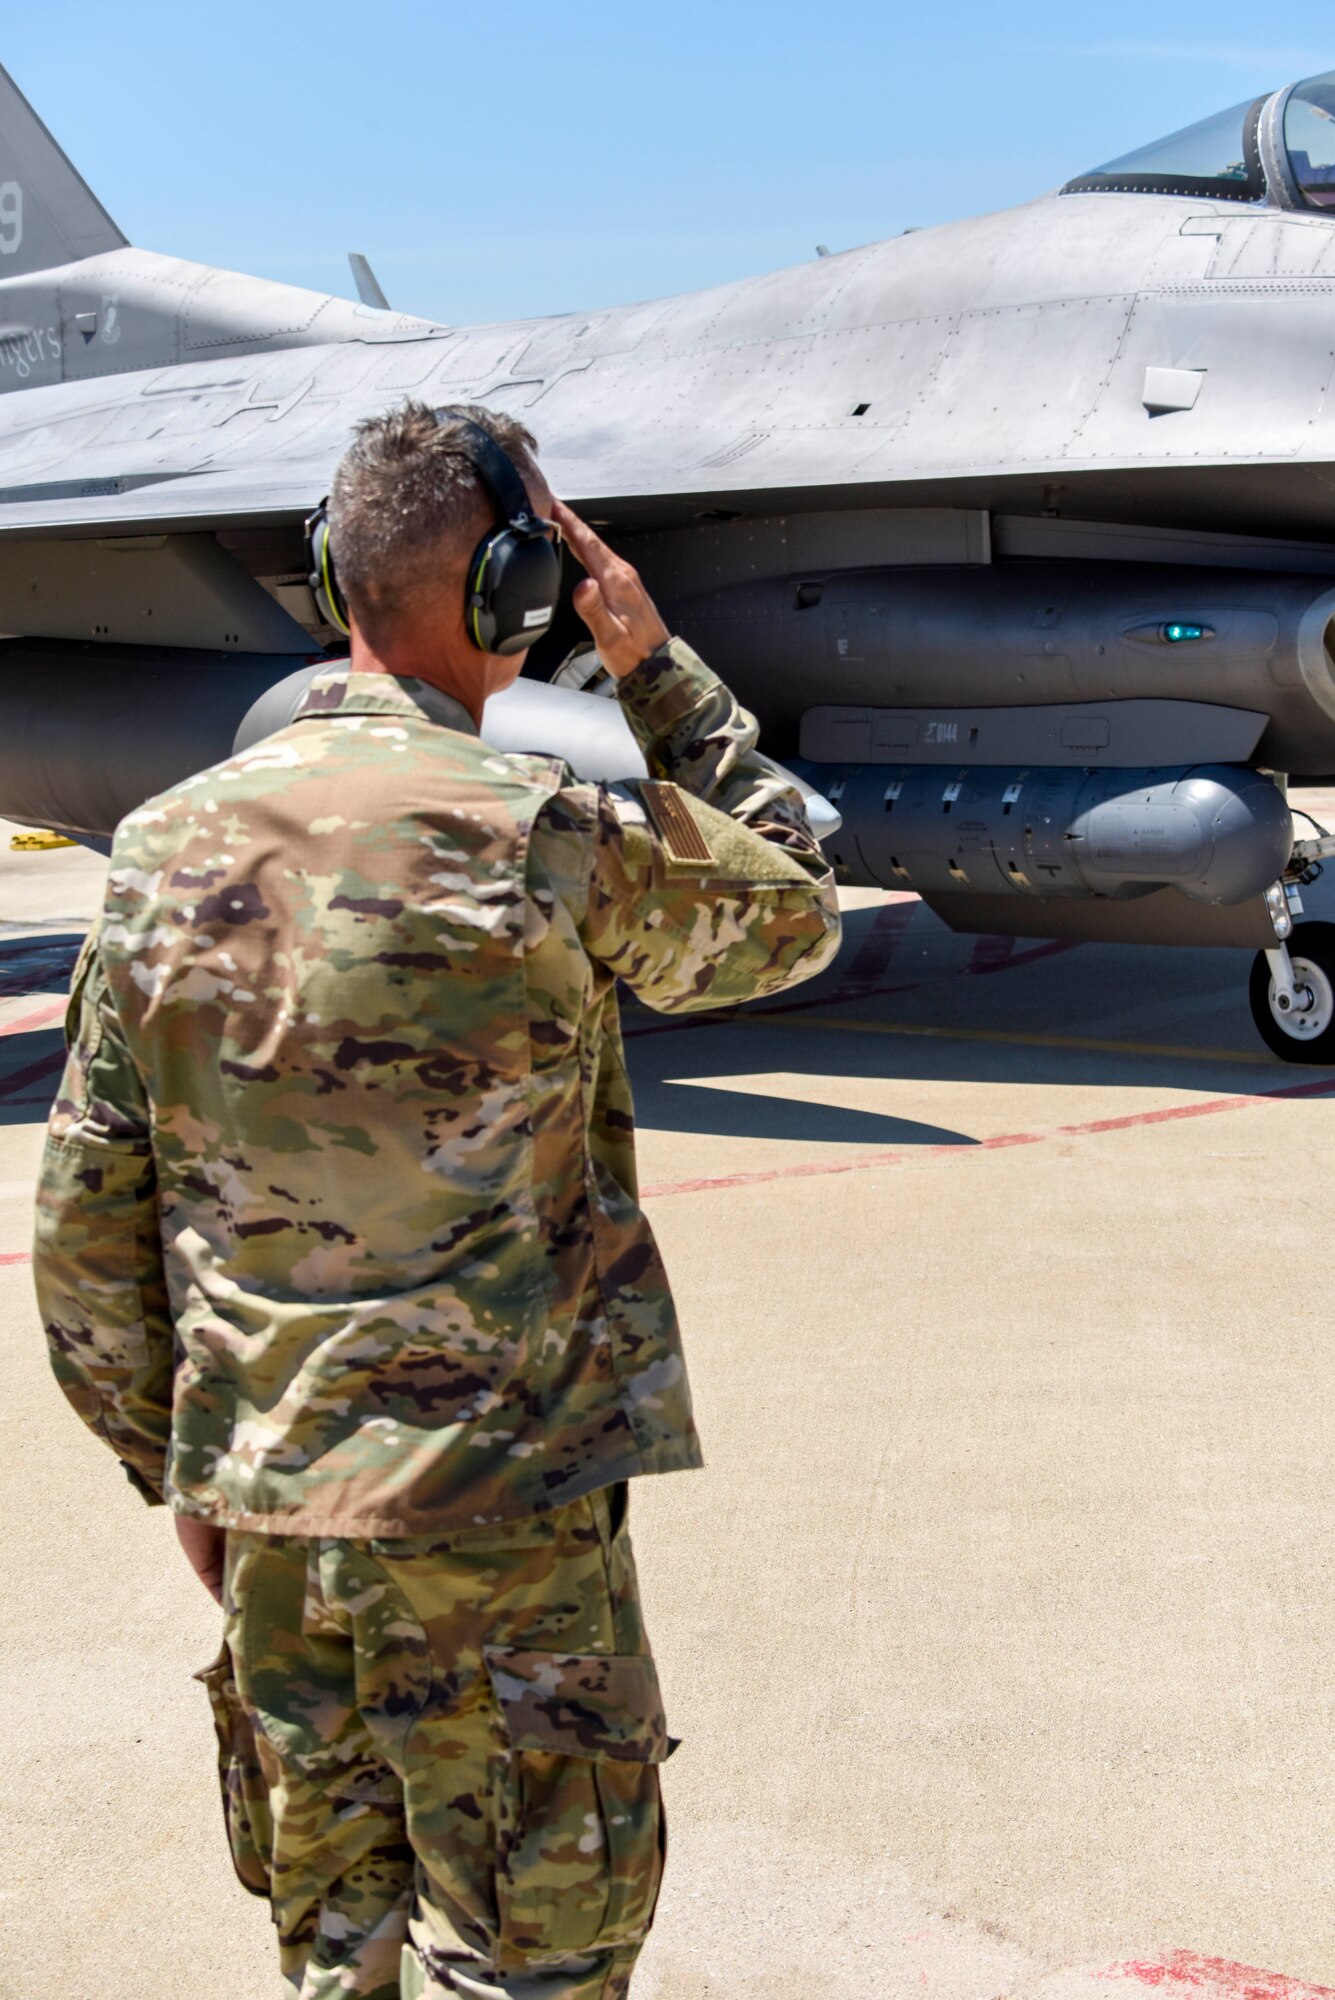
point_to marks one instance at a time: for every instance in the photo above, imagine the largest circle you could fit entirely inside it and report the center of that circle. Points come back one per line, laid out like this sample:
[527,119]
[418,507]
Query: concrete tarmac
[997,1628]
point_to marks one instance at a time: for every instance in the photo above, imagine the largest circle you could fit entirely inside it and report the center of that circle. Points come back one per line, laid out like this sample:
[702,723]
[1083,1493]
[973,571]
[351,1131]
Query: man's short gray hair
[405,503]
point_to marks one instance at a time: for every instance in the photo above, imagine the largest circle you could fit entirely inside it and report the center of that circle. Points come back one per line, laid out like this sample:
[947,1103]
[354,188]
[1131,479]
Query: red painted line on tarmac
[991,953]
[872,959]
[1320,1086]
[983,961]
[901,1156]
[1184,1972]
[996,1142]
[13,1085]
[37,1019]
[808,1171]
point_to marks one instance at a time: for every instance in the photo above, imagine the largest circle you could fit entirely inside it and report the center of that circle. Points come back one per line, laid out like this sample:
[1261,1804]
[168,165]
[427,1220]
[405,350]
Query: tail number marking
[942,732]
[11,217]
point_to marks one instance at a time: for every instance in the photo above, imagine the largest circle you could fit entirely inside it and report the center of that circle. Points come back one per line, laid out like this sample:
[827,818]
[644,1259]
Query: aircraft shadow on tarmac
[682,1081]
[668,1098]
[31,1059]
[672,1105]
[38,964]
[30,1066]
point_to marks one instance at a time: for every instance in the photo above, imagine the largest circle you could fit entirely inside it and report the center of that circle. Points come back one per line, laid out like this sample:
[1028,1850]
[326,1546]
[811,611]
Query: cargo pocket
[580,1818]
[244,1793]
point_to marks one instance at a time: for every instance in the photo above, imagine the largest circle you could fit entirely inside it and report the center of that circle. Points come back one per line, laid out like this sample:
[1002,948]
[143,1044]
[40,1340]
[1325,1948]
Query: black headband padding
[494,468]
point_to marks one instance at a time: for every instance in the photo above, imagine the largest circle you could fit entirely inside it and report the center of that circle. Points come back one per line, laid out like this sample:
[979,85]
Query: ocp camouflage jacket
[337,1226]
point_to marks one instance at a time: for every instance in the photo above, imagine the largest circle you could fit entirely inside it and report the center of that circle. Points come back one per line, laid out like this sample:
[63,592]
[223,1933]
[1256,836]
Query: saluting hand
[611,600]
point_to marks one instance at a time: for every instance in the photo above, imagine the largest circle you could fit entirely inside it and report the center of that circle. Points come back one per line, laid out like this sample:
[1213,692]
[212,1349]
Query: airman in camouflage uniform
[338,1247]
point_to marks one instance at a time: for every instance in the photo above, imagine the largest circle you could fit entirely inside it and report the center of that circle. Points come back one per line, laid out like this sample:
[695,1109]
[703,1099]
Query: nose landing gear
[1292,995]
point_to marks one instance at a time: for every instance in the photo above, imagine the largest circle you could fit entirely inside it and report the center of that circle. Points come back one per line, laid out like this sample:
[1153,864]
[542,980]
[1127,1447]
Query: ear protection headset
[514,576]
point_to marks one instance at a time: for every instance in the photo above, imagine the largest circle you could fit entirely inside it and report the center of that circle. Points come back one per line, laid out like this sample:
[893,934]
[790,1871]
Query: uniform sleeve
[707,886]
[97,1254]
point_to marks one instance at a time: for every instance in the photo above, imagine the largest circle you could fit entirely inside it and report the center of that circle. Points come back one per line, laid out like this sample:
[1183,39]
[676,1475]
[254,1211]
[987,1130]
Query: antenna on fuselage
[366,281]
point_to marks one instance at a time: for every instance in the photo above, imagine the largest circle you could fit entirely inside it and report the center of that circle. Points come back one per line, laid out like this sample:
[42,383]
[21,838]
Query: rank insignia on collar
[675,824]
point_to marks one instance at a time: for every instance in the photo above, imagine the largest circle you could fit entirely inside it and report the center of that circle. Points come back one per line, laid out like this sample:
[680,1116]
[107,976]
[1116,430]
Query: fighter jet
[1018,534]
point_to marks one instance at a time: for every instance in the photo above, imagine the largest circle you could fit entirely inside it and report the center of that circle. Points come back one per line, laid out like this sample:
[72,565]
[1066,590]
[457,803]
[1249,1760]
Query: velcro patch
[676,825]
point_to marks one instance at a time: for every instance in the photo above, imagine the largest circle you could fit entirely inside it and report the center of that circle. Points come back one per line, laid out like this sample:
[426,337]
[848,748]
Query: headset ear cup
[478,618]
[323,579]
[513,588]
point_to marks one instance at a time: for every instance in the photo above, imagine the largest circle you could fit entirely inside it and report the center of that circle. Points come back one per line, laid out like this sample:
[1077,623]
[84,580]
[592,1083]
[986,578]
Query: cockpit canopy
[1212,158]
[1309,139]
[1225,157]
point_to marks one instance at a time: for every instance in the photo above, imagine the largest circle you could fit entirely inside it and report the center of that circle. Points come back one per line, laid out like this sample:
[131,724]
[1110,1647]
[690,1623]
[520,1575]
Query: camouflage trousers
[439,1758]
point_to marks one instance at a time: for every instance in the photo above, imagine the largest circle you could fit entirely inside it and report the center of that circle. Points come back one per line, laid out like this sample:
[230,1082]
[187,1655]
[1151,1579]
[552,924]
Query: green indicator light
[1178,635]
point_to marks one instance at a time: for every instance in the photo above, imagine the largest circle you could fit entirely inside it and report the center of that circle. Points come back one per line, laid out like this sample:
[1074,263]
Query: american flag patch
[675,824]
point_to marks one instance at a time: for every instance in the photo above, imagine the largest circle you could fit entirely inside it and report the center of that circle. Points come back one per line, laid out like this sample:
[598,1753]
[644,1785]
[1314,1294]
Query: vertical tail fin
[48,214]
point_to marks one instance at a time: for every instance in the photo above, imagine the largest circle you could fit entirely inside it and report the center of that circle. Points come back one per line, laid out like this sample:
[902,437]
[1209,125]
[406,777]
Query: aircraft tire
[1307,1037]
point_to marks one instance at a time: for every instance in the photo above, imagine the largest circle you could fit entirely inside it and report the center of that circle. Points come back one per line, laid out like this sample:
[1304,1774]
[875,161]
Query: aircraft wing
[649,430]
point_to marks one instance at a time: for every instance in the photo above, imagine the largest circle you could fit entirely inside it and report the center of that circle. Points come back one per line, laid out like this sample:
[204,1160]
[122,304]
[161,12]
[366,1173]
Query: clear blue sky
[496,161]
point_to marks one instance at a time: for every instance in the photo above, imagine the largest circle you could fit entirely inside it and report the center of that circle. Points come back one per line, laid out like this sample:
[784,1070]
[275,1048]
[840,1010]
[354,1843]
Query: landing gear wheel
[1306,1033]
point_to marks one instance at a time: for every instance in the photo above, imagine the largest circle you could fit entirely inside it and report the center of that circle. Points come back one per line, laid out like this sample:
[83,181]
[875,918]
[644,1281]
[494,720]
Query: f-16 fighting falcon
[1017,534]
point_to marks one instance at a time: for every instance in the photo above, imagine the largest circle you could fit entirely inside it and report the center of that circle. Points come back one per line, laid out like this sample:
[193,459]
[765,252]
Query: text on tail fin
[48,213]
